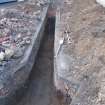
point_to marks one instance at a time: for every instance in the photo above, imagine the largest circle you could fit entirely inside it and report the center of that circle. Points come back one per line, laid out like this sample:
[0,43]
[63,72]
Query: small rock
[19,36]
[18,53]
[20,0]
[2,55]
[28,41]
[61,41]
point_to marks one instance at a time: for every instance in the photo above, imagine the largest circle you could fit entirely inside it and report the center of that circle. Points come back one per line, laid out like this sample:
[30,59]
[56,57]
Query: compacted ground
[19,26]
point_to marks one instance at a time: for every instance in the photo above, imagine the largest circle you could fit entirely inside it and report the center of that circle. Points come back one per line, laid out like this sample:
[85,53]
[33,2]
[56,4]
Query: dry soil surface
[41,90]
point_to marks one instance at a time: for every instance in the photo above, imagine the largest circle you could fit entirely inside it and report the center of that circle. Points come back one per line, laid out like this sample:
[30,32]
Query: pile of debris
[17,27]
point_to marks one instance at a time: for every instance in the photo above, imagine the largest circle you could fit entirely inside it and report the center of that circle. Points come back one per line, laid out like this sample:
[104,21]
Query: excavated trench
[40,89]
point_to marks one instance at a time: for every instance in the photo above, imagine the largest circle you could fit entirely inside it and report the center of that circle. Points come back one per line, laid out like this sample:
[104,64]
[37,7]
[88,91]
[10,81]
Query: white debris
[28,41]
[2,11]
[60,45]
[101,2]
[17,53]
[1,86]
[2,55]
[6,44]
[61,41]
[17,27]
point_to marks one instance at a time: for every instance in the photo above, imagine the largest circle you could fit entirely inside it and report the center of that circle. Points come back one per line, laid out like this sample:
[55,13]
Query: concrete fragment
[101,2]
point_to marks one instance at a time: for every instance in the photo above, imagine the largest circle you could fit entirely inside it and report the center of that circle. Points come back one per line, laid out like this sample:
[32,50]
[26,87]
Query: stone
[101,2]
[28,41]
[61,41]
[17,26]
[1,86]
[80,64]
[20,0]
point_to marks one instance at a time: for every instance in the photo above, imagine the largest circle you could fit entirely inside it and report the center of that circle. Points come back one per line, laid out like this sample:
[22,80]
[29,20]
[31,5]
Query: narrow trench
[40,89]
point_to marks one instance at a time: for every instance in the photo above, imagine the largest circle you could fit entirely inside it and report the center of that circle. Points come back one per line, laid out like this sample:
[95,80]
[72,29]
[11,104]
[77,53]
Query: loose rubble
[101,2]
[17,27]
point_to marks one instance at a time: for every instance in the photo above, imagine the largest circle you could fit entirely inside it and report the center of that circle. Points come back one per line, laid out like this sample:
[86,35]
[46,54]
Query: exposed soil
[81,57]
[41,90]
